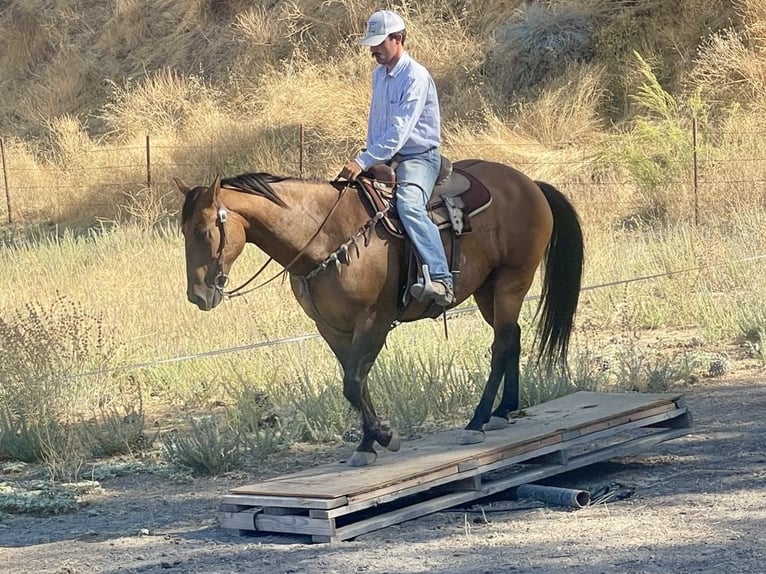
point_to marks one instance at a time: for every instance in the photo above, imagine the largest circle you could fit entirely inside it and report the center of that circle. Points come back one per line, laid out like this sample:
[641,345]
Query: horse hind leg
[501,310]
[502,356]
[509,401]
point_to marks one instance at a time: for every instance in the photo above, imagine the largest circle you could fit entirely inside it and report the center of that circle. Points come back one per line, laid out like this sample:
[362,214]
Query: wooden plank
[472,470]
[619,421]
[292,524]
[239,520]
[440,503]
[286,501]
[401,515]
[309,502]
[516,451]
[391,496]
[426,479]
[575,413]
[684,421]
[562,451]
[476,470]
[622,449]
[602,406]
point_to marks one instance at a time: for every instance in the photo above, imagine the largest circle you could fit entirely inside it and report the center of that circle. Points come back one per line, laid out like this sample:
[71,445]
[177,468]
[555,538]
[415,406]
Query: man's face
[387,53]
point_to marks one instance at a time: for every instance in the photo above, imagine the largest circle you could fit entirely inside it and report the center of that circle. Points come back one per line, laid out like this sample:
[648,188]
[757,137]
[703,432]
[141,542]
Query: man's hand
[350,171]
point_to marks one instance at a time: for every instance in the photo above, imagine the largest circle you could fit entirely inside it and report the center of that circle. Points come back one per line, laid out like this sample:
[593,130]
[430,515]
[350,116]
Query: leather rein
[222,279]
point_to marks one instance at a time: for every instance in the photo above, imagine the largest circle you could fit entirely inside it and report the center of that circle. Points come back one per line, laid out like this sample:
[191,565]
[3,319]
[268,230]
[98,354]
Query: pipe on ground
[554,495]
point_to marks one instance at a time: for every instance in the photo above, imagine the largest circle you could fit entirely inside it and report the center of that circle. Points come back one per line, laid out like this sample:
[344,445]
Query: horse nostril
[205,299]
[198,300]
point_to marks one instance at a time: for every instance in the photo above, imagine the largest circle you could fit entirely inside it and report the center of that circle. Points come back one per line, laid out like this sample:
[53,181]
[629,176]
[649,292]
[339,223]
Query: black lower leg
[510,400]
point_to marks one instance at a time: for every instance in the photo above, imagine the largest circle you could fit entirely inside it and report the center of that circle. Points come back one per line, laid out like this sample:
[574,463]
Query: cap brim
[373,40]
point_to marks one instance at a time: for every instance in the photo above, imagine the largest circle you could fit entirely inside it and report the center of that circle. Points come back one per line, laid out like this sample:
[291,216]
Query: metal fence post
[695,160]
[300,152]
[148,163]
[5,180]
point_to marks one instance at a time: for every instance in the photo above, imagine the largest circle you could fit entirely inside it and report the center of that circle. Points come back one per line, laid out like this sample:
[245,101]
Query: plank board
[328,492]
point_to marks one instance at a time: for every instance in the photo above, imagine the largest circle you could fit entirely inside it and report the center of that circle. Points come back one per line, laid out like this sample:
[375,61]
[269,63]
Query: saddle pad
[475,199]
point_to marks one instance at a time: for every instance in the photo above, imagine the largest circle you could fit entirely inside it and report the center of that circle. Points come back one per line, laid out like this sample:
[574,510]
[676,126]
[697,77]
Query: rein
[316,233]
[340,255]
[337,258]
[222,279]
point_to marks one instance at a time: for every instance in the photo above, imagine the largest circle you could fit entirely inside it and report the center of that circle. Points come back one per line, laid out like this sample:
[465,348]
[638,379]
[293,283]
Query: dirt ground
[698,504]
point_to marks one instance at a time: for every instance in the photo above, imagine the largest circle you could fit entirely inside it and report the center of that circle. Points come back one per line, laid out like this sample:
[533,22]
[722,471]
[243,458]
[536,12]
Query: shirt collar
[399,65]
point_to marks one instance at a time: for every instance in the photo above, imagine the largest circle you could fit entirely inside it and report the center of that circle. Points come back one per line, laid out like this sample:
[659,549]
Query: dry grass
[223,87]
[729,66]
[539,44]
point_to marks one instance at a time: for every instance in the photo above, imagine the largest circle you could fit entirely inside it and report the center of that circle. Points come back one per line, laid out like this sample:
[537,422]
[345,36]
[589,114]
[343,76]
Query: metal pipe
[554,495]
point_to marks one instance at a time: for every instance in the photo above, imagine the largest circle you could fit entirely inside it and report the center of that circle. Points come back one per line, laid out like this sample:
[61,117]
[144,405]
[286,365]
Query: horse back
[519,217]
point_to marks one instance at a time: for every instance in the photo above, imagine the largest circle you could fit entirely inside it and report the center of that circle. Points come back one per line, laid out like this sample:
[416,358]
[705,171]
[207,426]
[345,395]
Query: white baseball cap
[380,25]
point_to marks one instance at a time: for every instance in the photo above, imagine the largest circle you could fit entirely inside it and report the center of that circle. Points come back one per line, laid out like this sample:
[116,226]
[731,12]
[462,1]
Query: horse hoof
[360,458]
[470,437]
[496,423]
[394,443]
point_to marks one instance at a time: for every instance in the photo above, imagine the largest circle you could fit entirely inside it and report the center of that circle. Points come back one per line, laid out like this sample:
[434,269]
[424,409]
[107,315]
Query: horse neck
[284,233]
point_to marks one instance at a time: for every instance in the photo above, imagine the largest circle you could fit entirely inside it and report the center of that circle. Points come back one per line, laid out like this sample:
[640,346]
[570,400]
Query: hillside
[224,86]
[64,57]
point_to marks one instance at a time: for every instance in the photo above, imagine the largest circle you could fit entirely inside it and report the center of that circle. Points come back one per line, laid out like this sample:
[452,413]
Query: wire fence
[138,167]
[129,169]
[449,313]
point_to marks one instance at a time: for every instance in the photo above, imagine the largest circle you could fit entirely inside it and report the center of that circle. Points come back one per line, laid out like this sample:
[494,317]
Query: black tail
[563,276]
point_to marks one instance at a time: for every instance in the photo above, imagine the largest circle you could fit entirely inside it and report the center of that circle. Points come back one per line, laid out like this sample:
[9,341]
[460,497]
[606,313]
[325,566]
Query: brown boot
[438,291]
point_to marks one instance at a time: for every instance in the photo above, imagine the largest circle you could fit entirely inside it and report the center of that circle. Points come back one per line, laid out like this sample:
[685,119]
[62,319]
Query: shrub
[209,446]
[42,405]
[539,45]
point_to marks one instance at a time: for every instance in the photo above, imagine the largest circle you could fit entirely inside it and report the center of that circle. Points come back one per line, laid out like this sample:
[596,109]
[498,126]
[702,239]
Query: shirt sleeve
[405,114]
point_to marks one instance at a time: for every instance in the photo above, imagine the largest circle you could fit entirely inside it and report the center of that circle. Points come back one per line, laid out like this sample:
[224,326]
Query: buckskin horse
[350,273]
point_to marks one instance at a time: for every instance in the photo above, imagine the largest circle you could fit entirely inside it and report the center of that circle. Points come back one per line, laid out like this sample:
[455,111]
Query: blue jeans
[416,176]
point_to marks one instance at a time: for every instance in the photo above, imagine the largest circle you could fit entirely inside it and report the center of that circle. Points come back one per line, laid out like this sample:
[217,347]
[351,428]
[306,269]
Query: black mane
[256,184]
[253,183]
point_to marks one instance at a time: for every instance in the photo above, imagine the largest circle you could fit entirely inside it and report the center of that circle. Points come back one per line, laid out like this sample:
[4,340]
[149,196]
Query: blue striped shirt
[404,113]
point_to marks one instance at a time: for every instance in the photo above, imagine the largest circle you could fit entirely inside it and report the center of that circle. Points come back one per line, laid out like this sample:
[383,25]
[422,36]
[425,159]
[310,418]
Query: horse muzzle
[206,298]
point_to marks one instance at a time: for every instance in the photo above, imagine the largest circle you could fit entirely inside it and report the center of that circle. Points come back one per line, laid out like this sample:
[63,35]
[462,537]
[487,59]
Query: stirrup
[440,292]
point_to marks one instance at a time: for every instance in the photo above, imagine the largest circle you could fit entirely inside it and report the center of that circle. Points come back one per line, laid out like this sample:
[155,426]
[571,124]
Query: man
[404,124]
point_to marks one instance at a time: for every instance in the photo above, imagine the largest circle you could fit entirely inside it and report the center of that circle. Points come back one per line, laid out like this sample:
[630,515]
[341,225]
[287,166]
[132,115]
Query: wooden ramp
[335,502]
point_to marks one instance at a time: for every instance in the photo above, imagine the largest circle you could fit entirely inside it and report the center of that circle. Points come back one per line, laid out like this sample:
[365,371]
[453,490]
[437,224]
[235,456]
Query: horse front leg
[356,391]
[357,355]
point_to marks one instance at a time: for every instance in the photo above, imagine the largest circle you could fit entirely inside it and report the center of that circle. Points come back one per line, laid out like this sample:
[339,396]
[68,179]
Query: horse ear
[182,187]
[215,189]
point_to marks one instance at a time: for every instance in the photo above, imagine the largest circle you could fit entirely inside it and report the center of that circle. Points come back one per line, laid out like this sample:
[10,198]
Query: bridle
[221,279]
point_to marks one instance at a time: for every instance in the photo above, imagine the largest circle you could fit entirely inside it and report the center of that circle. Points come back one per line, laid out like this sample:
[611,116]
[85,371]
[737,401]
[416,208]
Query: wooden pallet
[335,502]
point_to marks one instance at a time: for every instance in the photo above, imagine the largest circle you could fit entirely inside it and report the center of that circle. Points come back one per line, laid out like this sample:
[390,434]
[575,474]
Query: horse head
[214,237]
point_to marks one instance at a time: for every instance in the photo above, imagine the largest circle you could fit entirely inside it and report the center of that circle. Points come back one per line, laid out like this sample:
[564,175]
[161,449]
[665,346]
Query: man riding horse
[404,127]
